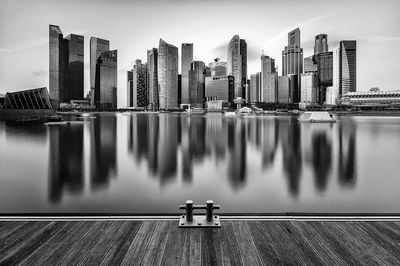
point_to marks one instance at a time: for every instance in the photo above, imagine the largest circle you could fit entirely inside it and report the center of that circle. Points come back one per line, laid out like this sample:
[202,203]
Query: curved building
[237,64]
[168,75]
[347,67]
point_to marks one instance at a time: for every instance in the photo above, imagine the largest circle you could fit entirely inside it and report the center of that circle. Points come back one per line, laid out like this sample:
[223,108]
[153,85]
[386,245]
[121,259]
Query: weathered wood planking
[163,243]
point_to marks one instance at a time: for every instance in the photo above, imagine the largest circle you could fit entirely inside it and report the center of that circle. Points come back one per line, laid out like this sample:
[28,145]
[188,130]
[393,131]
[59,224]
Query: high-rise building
[97,46]
[347,67]
[292,55]
[324,62]
[65,66]
[321,44]
[105,95]
[269,82]
[167,75]
[310,65]
[294,88]
[57,66]
[75,67]
[129,86]
[139,80]
[237,64]
[186,60]
[196,83]
[152,83]
[218,68]
[220,88]
[309,83]
[255,87]
[283,89]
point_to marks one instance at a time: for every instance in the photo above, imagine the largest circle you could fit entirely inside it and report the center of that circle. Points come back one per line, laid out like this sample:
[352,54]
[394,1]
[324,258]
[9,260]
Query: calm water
[151,163]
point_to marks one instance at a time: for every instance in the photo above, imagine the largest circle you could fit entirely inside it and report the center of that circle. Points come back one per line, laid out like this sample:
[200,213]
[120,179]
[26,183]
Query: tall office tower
[106,80]
[167,75]
[207,71]
[309,83]
[292,55]
[75,67]
[152,83]
[220,88]
[255,87]
[283,89]
[57,66]
[97,46]
[139,80]
[186,60]
[129,87]
[269,82]
[321,44]
[218,68]
[237,64]
[324,62]
[347,67]
[196,83]
[294,88]
[310,65]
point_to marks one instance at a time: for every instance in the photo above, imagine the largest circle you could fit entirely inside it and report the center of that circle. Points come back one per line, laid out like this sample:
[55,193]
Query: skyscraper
[168,75]
[75,67]
[255,87]
[196,83]
[187,58]
[283,89]
[152,83]
[310,65]
[218,68]
[309,82]
[321,44]
[97,46]
[324,62]
[106,80]
[139,80]
[57,65]
[219,88]
[347,67]
[292,55]
[129,87]
[269,83]
[237,64]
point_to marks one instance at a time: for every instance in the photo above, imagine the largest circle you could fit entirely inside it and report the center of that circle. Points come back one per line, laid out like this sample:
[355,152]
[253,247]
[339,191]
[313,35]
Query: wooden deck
[235,243]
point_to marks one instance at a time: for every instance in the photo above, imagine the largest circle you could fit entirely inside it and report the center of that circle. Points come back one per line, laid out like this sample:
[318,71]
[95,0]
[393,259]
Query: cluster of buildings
[66,71]
[320,79]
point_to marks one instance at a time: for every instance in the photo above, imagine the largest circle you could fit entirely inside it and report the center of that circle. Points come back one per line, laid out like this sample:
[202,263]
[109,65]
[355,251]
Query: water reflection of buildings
[103,155]
[237,152]
[65,159]
[347,154]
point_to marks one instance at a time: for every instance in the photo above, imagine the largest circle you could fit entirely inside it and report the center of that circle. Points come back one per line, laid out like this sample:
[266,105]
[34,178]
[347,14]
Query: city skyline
[260,33]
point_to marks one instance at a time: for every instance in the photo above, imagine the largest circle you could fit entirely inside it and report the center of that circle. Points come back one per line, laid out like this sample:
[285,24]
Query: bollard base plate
[199,221]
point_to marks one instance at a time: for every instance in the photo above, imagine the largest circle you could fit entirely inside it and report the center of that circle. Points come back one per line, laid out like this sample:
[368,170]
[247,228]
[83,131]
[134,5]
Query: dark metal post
[189,211]
[209,210]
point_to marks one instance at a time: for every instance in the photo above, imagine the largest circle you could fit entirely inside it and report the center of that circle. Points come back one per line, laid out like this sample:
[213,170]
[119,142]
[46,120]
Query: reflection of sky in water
[143,163]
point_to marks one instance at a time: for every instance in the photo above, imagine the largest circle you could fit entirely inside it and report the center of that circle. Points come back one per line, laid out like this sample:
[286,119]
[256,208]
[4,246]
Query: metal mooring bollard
[208,220]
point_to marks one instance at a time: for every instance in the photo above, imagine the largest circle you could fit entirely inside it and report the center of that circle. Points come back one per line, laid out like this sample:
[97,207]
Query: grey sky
[135,26]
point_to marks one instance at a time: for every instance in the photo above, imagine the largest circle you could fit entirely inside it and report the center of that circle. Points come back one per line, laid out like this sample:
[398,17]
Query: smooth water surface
[150,163]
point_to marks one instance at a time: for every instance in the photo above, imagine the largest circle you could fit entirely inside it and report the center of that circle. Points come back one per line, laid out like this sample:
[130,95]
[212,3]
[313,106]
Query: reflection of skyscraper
[322,157]
[65,159]
[168,141]
[186,60]
[237,64]
[237,153]
[347,67]
[168,75]
[103,149]
[269,141]
[347,154]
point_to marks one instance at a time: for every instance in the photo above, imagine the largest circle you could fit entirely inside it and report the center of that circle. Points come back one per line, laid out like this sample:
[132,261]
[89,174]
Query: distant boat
[316,117]
[230,113]
[195,111]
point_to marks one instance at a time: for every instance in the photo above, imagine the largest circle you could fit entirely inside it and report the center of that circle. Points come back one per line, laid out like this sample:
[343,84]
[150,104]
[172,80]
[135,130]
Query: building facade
[75,71]
[255,88]
[167,75]
[218,68]
[237,64]
[105,96]
[97,46]
[309,86]
[152,63]
[28,99]
[129,86]
[139,82]
[292,55]
[324,62]
[283,89]
[321,44]
[186,60]
[347,67]
[196,83]
[269,81]
[310,64]
[220,88]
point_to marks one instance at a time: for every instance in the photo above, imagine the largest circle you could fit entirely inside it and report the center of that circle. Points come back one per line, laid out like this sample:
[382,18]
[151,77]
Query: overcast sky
[135,26]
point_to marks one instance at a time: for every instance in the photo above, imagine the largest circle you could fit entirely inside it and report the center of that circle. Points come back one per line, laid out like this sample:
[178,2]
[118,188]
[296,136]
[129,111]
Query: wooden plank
[318,244]
[230,252]
[280,243]
[264,243]
[367,244]
[248,250]
[173,252]
[8,228]
[381,236]
[30,244]
[139,245]
[191,250]
[210,247]
[40,254]
[121,245]
[22,233]
[395,226]
[85,244]
[156,247]
[70,241]
[103,245]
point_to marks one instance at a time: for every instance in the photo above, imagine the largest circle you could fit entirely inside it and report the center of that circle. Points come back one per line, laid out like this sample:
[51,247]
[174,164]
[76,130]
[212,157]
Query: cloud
[380,38]
[39,73]
[28,45]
